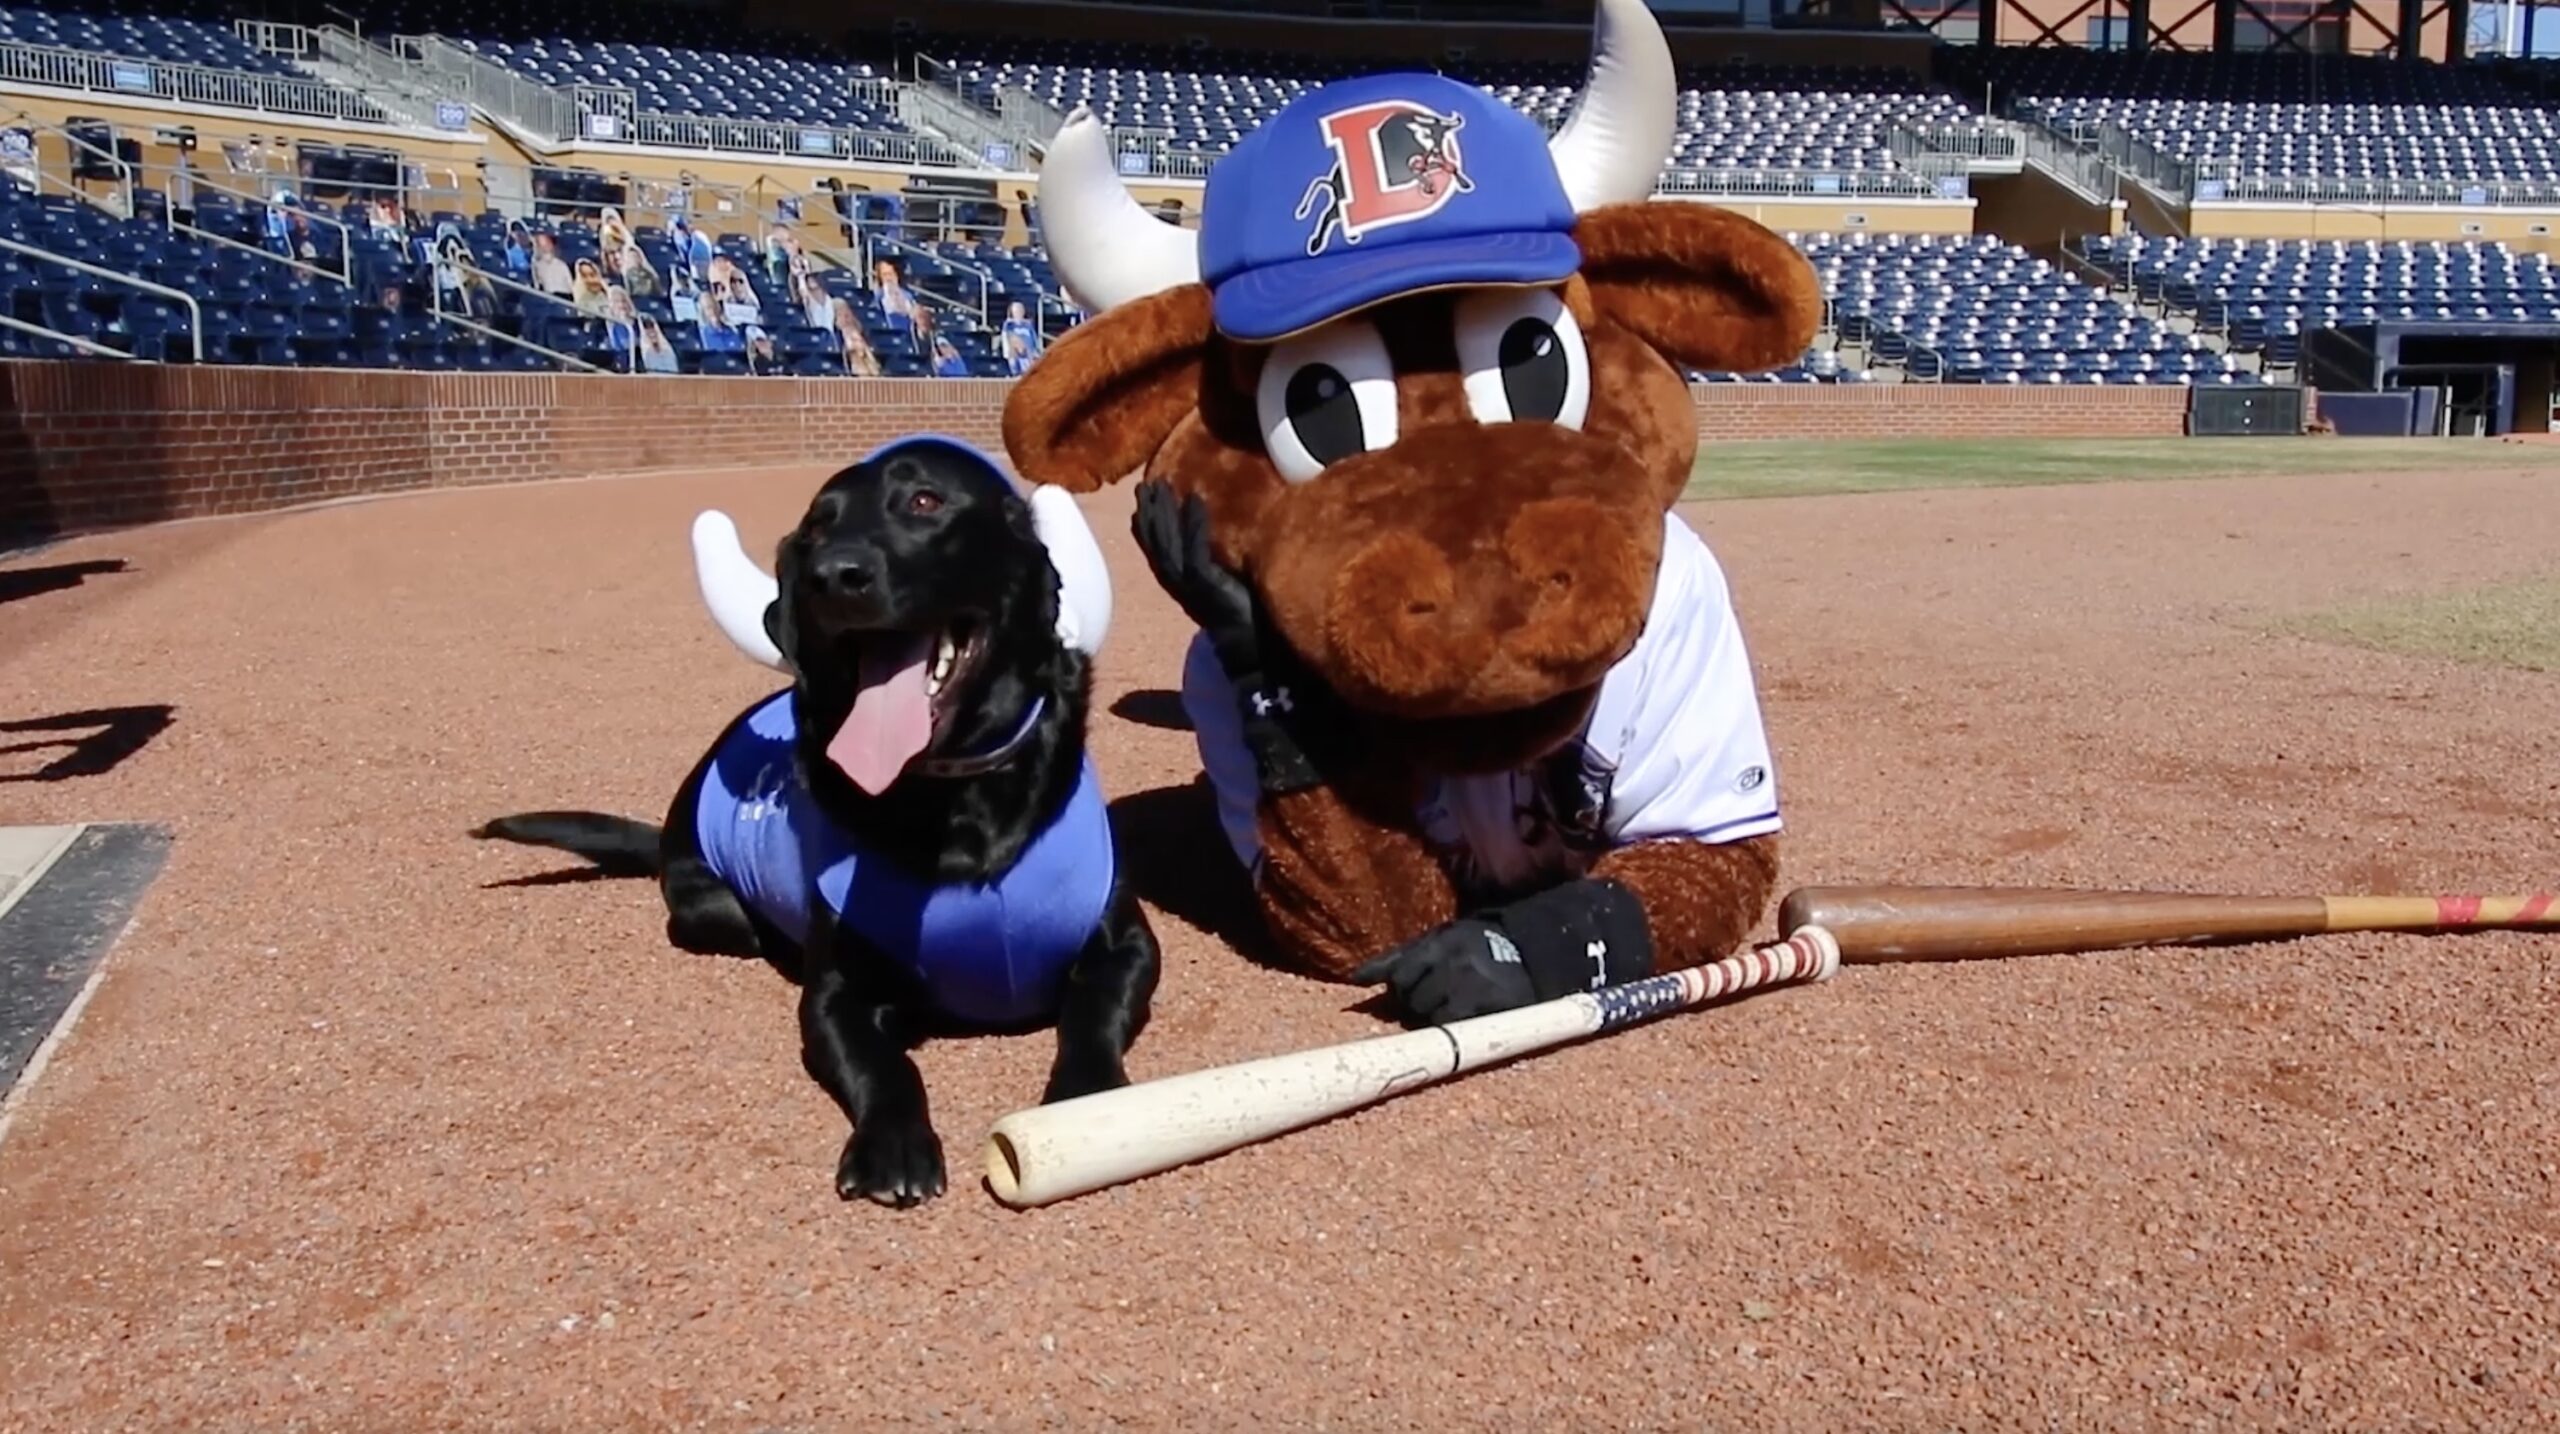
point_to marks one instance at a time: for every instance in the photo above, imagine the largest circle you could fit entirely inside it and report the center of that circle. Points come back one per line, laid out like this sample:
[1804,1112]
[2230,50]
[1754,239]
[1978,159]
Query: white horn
[1105,249]
[733,587]
[1613,145]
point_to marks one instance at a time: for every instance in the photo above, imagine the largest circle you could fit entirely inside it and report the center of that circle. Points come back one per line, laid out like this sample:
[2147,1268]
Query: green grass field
[1793,468]
[2513,624]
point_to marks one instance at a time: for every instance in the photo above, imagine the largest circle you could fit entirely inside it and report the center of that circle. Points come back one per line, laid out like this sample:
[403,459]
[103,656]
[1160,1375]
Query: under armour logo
[1275,700]
[1598,951]
[1501,947]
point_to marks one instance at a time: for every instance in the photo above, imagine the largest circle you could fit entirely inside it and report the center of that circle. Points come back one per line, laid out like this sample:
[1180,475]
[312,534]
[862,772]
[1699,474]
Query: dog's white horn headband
[737,591]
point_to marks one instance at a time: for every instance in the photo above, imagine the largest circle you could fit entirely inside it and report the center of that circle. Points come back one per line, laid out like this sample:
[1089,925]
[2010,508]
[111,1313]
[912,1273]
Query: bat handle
[1810,953]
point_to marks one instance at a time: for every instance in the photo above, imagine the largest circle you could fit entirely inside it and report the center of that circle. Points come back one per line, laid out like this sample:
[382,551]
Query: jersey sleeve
[1692,755]
[1209,700]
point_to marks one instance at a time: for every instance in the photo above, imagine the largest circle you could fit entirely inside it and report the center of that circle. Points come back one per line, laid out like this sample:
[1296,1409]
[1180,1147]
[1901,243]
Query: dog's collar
[994,757]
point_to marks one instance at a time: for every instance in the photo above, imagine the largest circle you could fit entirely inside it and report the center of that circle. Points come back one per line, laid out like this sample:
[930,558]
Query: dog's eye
[1523,357]
[924,500]
[1326,395]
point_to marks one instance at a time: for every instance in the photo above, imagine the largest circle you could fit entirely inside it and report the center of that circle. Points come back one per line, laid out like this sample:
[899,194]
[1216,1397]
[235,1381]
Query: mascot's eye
[1523,358]
[1326,395]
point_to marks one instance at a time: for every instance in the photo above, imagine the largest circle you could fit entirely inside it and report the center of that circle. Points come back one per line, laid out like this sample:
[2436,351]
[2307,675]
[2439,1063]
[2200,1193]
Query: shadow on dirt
[20,583]
[94,742]
[1177,857]
[1153,707]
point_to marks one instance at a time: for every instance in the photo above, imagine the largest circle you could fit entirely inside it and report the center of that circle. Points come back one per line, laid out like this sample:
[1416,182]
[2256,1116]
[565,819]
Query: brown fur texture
[1701,899]
[1120,385]
[1466,587]
[1340,885]
[1700,285]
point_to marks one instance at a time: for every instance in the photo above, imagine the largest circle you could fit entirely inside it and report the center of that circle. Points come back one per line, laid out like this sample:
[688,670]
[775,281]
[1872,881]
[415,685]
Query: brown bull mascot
[1412,419]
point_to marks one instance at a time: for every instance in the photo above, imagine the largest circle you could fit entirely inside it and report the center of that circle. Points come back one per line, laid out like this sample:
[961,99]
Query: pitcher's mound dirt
[373,1127]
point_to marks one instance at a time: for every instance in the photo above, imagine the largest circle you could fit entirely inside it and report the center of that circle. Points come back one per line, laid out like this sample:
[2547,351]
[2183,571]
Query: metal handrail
[747,136]
[195,312]
[346,273]
[124,170]
[986,278]
[101,73]
[435,306]
[57,335]
[491,88]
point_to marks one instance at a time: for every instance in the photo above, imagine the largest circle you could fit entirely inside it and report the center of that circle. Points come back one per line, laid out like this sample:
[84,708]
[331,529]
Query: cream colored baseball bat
[1054,1152]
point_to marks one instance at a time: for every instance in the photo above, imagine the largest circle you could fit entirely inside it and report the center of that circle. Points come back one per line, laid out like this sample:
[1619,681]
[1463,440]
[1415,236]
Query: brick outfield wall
[89,446]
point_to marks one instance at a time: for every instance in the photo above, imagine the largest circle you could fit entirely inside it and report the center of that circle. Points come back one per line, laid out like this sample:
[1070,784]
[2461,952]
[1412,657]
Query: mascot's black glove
[1576,937]
[1289,716]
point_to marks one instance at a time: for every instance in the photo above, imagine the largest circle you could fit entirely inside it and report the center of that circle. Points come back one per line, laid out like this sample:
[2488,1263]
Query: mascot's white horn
[1107,251]
[1613,145]
[737,591]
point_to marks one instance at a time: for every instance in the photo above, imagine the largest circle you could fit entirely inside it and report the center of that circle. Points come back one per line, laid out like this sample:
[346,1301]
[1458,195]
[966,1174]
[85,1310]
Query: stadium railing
[774,137]
[283,96]
[556,115]
[2231,186]
[1021,122]
[345,273]
[393,89]
[2173,178]
[874,245]
[195,314]
[930,107]
[128,176]
[444,315]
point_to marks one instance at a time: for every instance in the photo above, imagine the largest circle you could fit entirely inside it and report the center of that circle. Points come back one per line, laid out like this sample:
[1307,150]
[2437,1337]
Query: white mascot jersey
[1674,748]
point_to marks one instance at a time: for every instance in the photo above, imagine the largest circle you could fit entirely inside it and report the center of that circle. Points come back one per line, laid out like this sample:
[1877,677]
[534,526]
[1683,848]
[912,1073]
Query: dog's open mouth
[906,687]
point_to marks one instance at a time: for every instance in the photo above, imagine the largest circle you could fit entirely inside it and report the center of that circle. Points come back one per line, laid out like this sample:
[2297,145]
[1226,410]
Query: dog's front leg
[854,1038]
[1110,990]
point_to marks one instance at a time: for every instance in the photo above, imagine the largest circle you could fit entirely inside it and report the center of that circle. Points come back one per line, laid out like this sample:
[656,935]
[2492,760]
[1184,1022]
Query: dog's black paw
[1074,1077]
[713,934]
[895,1163]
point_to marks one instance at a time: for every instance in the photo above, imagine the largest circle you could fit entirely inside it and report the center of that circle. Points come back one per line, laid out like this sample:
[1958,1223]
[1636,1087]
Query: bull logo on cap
[1394,161]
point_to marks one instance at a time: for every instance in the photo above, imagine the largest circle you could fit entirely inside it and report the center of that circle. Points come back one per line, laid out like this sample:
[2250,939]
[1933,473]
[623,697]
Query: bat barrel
[1952,923]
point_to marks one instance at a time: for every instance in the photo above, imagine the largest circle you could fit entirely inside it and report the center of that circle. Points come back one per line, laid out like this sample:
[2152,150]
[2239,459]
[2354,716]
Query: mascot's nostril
[1387,622]
[1591,578]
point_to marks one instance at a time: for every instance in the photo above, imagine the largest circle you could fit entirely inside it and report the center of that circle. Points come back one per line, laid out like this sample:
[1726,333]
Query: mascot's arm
[1700,899]
[1339,874]
[1339,883]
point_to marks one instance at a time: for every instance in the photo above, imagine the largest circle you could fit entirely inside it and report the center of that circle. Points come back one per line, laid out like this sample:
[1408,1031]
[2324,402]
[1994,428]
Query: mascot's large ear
[1108,394]
[1704,287]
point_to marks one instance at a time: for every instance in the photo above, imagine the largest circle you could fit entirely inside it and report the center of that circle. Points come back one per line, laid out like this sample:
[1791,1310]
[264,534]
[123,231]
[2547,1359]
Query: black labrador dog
[914,825]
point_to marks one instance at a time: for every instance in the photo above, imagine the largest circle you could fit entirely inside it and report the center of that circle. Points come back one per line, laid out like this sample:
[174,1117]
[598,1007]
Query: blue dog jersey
[992,953]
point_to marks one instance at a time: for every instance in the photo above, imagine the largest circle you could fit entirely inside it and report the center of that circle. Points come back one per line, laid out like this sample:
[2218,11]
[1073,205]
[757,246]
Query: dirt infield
[374,1128]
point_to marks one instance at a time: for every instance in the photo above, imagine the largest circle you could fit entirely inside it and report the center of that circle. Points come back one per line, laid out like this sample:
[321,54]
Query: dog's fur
[976,560]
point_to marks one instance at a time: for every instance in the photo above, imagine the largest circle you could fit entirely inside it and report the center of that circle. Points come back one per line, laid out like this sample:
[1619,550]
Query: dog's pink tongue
[892,718]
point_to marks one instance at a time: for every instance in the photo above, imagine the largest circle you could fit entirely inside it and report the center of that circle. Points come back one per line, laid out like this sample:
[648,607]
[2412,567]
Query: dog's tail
[618,846]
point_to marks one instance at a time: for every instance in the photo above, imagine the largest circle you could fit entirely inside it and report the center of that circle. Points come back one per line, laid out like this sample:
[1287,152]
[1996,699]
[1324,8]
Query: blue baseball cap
[1376,187]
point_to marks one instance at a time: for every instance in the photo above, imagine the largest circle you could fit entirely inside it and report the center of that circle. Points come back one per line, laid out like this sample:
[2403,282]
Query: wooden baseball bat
[1052,1152]
[1954,923]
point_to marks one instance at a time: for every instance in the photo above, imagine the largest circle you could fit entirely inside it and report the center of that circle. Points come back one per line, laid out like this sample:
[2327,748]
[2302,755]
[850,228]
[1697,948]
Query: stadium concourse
[290,261]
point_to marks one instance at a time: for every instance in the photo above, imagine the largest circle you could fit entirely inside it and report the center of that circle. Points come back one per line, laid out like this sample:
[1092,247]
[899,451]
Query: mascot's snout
[1467,570]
